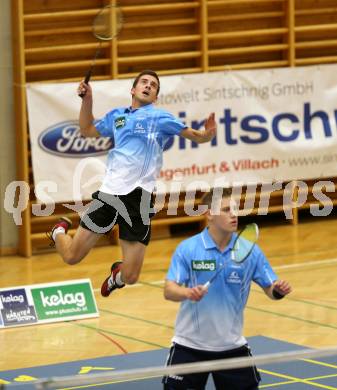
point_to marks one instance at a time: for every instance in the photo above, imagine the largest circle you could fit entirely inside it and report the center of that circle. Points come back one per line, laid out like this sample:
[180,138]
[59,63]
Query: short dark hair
[147,72]
[218,193]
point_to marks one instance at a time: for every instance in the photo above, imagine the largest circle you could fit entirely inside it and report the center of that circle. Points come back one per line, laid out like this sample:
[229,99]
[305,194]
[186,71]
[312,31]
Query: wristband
[277,295]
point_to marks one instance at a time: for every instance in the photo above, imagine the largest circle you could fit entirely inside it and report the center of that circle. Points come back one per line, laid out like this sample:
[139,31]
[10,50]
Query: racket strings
[244,243]
[108,23]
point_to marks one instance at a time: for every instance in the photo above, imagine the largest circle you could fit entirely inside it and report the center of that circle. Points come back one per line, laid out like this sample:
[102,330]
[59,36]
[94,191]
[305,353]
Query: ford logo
[64,139]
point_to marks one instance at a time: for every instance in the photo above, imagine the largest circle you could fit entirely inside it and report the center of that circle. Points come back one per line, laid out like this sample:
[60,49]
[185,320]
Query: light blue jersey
[139,136]
[215,323]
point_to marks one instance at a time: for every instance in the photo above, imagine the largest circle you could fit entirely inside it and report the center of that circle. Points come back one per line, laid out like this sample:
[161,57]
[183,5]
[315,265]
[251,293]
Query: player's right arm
[178,293]
[86,117]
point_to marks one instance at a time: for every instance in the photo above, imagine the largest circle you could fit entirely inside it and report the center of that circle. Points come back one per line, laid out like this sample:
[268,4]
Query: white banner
[273,125]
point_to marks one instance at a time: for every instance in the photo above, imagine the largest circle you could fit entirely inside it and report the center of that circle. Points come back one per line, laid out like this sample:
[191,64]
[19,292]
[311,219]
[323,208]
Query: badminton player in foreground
[211,274]
[140,132]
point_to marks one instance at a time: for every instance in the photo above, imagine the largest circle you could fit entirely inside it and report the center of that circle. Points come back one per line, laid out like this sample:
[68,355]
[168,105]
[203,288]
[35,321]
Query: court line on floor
[115,334]
[159,284]
[136,318]
[289,382]
[292,317]
[113,341]
[307,381]
[273,313]
[277,267]
[306,264]
[109,383]
[320,363]
[290,298]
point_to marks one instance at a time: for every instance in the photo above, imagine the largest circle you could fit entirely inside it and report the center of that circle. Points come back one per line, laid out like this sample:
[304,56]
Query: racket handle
[88,76]
[206,285]
[86,81]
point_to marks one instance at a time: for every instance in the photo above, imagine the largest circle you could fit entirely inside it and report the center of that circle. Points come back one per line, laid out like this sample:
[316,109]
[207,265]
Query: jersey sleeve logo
[120,122]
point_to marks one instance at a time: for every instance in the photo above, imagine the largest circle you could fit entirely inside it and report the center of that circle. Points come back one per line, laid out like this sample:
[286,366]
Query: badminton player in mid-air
[211,277]
[140,132]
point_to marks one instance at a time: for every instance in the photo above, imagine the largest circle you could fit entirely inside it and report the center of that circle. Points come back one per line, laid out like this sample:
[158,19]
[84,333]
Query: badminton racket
[106,25]
[242,248]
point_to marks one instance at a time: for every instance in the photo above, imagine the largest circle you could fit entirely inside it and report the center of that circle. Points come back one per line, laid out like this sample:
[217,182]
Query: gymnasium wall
[8,230]
[53,42]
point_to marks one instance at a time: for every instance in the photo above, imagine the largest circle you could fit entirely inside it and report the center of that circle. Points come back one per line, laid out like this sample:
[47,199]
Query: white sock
[57,231]
[118,279]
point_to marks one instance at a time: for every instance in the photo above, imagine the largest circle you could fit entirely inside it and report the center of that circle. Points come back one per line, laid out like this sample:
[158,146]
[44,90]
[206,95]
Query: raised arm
[177,293]
[86,117]
[278,290]
[201,136]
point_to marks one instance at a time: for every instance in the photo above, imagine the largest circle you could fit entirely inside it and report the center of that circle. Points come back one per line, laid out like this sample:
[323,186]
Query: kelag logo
[63,301]
[64,139]
[203,265]
[15,308]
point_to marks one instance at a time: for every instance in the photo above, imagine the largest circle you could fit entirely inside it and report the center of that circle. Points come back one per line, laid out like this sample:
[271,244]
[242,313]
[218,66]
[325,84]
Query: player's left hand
[282,287]
[210,127]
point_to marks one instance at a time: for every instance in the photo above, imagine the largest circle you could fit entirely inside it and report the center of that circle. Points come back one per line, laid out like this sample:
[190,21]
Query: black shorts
[246,378]
[132,212]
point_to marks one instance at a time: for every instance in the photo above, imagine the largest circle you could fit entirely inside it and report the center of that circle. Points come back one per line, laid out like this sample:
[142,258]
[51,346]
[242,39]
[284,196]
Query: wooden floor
[137,318]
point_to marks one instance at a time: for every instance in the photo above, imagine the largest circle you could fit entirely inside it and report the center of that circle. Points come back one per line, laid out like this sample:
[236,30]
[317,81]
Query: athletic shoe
[109,283]
[62,222]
